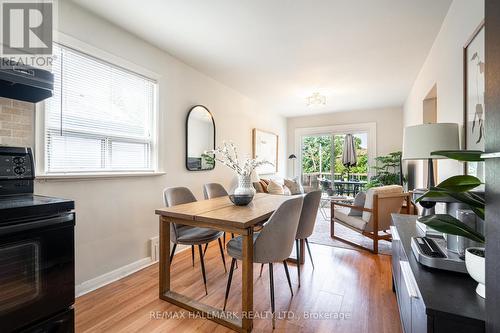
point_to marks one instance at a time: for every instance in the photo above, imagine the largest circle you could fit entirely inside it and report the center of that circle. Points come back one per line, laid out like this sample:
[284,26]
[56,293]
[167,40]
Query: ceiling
[358,53]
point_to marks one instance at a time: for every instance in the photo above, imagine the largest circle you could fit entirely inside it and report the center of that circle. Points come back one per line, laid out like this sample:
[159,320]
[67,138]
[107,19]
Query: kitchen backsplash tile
[16,123]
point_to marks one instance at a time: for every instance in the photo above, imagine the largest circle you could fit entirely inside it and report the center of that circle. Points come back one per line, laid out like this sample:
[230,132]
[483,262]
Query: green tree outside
[311,156]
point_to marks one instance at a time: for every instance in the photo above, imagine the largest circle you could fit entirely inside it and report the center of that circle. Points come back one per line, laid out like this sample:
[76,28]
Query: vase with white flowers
[228,155]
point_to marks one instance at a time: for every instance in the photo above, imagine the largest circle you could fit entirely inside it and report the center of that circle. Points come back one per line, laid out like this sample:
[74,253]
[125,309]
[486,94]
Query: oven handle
[57,220]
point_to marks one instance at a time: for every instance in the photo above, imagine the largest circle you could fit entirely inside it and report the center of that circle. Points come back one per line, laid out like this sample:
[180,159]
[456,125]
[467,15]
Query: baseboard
[117,274]
[107,278]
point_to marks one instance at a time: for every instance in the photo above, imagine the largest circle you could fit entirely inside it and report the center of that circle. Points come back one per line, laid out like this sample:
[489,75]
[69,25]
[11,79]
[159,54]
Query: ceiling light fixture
[316,99]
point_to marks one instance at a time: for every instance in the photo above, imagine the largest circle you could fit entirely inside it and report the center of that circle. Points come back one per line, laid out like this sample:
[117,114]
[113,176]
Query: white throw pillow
[275,188]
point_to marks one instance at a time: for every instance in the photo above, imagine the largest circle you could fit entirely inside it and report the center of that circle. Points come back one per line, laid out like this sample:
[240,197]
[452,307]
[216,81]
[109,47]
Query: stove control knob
[19,170]
[18,160]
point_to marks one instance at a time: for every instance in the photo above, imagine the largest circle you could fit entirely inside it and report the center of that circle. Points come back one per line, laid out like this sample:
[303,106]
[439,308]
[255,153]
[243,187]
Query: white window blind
[100,118]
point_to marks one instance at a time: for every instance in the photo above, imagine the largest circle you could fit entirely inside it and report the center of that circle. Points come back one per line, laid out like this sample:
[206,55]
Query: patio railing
[312,180]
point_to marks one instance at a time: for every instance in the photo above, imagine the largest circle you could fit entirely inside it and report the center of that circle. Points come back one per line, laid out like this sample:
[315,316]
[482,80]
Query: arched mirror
[200,137]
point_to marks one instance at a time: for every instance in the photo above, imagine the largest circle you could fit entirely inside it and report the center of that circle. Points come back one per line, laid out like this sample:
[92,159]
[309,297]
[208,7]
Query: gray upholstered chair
[273,243]
[215,190]
[188,235]
[306,224]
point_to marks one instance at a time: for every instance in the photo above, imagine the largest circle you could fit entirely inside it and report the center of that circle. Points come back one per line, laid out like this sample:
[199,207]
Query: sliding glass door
[322,164]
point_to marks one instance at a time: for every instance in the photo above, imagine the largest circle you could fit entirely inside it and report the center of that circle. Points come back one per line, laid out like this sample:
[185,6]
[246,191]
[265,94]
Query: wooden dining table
[220,214]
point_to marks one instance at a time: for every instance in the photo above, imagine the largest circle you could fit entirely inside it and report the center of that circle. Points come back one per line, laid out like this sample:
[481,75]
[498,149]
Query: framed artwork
[265,147]
[474,110]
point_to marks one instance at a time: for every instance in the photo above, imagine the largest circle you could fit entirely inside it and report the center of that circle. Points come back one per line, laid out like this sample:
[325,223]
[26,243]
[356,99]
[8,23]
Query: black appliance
[37,256]
[25,83]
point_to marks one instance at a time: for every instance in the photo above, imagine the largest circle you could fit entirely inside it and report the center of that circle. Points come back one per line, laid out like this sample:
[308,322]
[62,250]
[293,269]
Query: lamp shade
[419,141]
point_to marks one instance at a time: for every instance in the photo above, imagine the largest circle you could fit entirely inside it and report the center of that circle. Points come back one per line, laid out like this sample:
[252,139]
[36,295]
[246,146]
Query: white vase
[245,186]
[475,266]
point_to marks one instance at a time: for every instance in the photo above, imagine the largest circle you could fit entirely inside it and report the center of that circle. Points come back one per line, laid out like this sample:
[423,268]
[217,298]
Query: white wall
[444,67]
[389,123]
[115,217]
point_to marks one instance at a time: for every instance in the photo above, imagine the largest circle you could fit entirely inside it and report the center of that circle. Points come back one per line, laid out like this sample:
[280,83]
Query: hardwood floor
[352,288]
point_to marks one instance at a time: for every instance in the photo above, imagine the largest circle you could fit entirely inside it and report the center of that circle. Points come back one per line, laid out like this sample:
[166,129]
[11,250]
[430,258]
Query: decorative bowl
[240,199]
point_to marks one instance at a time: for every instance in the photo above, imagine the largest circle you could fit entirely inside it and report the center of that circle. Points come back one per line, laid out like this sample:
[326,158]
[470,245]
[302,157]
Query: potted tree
[460,188]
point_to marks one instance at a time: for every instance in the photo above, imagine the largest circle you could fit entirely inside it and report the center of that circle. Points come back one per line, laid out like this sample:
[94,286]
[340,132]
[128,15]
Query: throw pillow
[258,187]
[275,188]
[359,200]
[294,186]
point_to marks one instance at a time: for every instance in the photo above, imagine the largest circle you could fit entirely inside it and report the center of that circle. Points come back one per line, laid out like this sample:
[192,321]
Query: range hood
[25,83]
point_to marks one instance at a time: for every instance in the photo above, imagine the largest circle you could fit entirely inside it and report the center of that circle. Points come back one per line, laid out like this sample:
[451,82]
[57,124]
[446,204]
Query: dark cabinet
[431,300]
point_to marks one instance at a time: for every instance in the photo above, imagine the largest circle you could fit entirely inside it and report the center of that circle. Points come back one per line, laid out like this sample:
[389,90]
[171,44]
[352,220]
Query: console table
[431,300]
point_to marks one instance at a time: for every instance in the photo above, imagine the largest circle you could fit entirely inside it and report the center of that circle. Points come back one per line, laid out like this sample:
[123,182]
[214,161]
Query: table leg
[247,282]
[164,262]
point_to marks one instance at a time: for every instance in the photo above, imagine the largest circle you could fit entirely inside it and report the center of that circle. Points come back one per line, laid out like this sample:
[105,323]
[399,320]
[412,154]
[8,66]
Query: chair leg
[288,276]
[205,250]
[229,279]
[309,251]
[192,254]
[172,254]
[261,268]
[232,235]
[271,282]
[222,254]
[224,238]
[297,249]
[203,268]
[375,243]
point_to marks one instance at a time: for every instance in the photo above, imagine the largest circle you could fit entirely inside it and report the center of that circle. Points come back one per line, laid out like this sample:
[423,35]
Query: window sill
[104,175]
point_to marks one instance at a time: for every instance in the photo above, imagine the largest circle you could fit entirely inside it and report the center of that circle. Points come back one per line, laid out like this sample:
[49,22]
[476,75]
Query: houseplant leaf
[448,224]
[460,183]
[460,155]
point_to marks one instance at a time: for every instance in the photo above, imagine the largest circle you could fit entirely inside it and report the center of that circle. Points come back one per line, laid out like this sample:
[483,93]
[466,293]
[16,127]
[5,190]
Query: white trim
[117,274]
[107,278]
[78,45]
[370,128]
[99,175]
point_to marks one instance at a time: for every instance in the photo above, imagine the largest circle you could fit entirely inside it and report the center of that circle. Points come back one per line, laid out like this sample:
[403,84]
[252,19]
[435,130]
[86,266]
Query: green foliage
[311,158]
[461,155]
[450,225]
[209,159]
[387,170]
[458,188]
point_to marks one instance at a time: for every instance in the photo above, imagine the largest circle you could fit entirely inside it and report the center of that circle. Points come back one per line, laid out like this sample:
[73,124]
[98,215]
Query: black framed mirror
[200,137]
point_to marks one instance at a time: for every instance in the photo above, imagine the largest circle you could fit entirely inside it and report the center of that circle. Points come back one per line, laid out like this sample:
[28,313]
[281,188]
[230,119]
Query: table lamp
[420,140]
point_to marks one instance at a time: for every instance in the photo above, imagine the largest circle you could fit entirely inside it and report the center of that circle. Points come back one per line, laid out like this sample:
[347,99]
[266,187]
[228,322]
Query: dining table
[219,214]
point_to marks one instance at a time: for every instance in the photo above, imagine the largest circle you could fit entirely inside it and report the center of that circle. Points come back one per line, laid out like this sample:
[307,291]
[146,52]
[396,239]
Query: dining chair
[272,244]
[215,190]
[188,235]
[307,221]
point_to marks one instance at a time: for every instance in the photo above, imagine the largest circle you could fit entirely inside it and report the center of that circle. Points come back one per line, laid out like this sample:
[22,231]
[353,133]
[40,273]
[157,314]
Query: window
[101,117]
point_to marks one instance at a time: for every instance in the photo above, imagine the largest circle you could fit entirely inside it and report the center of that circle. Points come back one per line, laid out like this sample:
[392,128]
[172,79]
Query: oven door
[37,274]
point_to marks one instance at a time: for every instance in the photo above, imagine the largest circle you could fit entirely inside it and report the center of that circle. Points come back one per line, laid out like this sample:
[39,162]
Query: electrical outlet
[155,248]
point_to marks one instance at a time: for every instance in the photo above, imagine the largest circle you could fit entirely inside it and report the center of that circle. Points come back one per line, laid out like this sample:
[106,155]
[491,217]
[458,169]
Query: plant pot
[475,264]
[245,186]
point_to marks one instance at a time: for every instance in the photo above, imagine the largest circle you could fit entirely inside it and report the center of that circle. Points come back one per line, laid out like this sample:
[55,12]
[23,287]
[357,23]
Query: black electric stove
[37,251]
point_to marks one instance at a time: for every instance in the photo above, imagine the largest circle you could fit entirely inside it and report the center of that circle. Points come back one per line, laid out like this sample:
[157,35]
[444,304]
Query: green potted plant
[387,169]
[460,188]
